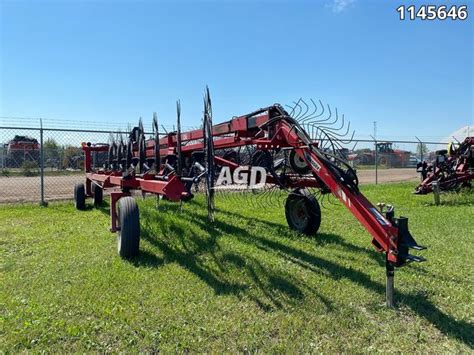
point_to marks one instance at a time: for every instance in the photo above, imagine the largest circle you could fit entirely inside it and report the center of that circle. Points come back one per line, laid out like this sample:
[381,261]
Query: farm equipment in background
[299,152]
[392,158]
[386,156]
[452,169]
[22,149]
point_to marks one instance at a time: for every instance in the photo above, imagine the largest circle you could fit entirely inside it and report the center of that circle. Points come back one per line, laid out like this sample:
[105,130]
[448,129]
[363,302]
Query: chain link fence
[40,164]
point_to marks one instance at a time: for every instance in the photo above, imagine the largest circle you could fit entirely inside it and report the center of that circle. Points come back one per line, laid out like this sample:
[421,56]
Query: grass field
[244,283]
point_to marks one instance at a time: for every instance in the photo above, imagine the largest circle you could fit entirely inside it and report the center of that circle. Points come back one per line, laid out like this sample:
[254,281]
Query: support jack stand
[390,287]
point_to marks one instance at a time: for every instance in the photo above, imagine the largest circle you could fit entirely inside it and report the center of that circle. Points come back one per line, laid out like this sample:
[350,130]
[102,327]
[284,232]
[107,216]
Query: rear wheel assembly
[129,236]
[302,212]
[80,196]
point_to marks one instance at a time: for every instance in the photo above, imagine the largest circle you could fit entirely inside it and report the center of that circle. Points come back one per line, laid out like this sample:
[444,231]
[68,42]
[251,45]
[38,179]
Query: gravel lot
[27,189]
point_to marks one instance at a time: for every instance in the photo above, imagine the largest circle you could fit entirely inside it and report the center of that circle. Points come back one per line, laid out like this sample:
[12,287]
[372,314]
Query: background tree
[52,152]
[422,150]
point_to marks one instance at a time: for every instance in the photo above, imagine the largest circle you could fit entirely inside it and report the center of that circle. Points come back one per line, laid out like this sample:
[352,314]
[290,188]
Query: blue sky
[113,61]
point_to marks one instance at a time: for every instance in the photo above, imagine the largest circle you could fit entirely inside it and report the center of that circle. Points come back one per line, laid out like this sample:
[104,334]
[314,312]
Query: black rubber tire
[302,212]
[80,196]
[129,236]
[298,164]
[98,194]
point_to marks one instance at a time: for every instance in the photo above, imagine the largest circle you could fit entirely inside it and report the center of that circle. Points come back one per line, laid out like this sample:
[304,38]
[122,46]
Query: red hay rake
[299,151]
[452,169]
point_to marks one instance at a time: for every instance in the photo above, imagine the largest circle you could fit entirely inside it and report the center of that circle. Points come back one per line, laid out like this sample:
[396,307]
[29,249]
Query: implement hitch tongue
[405,241]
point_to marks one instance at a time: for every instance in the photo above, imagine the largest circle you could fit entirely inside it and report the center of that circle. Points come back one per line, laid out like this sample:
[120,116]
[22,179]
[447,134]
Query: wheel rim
[298,164]
[299,213]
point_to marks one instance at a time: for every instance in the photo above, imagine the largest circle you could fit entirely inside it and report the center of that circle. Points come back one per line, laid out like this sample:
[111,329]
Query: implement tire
[80,196]
[302,212]
[129,236]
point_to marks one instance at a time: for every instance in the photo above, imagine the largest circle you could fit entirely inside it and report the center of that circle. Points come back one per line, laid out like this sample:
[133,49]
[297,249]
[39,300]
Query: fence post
[376,164]
[421,148]
[43,202]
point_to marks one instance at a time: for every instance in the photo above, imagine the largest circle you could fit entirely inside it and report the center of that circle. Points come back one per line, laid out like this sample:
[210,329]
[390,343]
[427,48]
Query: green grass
[244,283]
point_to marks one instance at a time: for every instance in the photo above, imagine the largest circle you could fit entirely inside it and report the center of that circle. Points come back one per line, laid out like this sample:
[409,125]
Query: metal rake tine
[155,123]
[355,145]
[313,115]
[329,126]
[294,107]
[297,104]
[321,103]
[334,136]
[334,131]
[272,197]
[306,110]
[111,139]
[307,117]
[178,136]
[338,137]
[289,108]
[321,200]
[209,103]
[156,138]
[263,198]
[328,139]
[323,120]
[267,196]
[342,140]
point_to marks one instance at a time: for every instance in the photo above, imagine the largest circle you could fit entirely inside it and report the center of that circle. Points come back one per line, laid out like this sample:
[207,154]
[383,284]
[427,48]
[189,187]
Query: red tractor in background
[392,158]
[386,156]
[21,149]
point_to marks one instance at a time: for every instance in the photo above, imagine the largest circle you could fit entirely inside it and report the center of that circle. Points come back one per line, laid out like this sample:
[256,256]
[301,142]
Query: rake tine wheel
[157,143]
[209,155]
[178,138]
[141,147]
[128,159]
[111,153]
[120,151]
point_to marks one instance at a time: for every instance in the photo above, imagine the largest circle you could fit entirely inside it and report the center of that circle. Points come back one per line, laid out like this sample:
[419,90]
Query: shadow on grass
[231,273]
[318,239]
[193,252]
[451,203]
[146,259]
